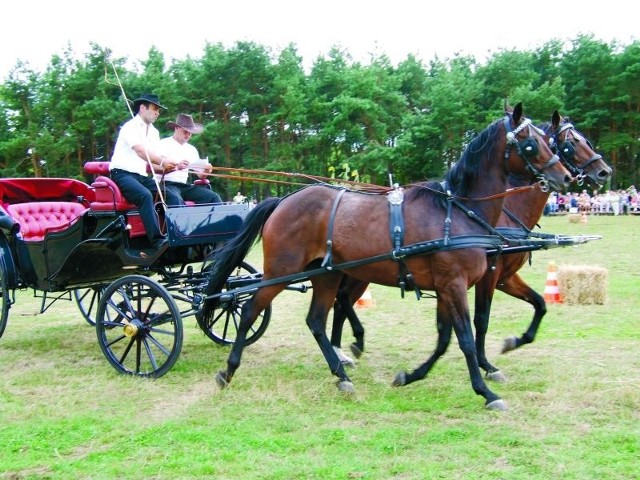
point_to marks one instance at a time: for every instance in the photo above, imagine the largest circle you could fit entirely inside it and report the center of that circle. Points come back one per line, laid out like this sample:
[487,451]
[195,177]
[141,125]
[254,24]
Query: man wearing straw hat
[177,149]
[135,148]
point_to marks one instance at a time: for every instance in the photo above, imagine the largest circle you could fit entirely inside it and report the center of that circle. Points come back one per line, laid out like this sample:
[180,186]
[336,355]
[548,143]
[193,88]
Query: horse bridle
[567,152]
[528,149]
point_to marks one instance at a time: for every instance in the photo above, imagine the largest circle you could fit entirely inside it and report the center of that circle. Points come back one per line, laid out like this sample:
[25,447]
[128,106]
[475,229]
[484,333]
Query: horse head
[576,152]
[528,152]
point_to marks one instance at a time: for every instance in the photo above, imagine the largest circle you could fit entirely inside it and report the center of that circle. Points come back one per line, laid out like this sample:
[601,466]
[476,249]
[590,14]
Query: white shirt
[175,151]
[132,133]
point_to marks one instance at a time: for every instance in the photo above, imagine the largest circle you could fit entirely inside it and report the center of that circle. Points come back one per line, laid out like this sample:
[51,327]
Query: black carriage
[67,239]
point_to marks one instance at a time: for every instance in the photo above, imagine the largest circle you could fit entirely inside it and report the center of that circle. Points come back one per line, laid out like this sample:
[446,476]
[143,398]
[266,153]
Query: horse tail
[224,259]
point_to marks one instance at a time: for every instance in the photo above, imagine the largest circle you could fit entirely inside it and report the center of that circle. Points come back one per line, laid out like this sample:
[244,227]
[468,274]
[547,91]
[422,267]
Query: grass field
[573,395]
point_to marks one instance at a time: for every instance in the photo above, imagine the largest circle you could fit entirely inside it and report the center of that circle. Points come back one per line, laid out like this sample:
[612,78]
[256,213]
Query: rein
[506,193]
[361,187]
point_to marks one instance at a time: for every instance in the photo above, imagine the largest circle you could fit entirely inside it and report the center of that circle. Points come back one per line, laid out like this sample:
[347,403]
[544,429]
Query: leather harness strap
[327,262]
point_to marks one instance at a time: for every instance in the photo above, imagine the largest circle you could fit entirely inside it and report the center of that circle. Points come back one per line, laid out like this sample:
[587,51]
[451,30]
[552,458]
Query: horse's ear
[555,119]
[507,108]
[517,113]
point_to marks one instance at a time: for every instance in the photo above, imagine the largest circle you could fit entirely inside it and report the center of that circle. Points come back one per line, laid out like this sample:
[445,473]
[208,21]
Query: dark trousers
[193,193]
[140,191]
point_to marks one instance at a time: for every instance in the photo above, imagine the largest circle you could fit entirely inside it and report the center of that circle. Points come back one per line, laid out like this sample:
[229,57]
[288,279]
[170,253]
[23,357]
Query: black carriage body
[97,246]
[198,224]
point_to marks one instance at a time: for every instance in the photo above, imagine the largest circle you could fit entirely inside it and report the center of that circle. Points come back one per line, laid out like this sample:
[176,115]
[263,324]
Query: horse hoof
[509,344]
[355,350]
[400,380]
[221,379]
[497,376]
[498,405]
[345,360]
[346,386]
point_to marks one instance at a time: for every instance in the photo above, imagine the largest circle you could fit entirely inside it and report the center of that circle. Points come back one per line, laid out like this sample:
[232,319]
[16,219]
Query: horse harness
[528,149]
[494,242]
[567,151]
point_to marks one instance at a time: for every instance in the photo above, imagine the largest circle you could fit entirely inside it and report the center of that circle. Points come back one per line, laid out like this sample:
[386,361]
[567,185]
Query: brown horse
[521,214]
[577,154]
[329,232]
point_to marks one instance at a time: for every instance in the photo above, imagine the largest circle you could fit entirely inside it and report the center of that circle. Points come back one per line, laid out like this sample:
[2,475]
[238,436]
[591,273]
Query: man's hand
[207,169]
[170,166]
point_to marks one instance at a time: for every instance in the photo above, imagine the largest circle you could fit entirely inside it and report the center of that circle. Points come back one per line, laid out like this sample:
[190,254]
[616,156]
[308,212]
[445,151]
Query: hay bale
[574,218]
[582,284]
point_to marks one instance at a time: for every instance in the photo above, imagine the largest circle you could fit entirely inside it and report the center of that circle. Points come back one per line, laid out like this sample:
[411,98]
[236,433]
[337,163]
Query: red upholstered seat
[108,196]
[36,219]
[96,168]
[107,193]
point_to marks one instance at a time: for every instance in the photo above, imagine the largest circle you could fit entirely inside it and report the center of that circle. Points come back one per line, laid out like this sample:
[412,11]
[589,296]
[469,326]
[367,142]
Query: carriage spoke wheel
[222,325]
[5,301]
[87,300]
[139,327]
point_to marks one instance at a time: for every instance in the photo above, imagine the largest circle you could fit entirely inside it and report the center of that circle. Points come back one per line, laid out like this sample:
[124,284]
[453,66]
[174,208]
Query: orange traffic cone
[584,218]
[551,292]
[366,300]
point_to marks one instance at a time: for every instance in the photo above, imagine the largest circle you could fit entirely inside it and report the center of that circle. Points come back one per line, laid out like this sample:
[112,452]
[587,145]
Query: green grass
[573,395]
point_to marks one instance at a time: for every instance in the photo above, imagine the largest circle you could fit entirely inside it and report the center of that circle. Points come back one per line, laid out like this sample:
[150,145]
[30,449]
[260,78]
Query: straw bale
[582,284]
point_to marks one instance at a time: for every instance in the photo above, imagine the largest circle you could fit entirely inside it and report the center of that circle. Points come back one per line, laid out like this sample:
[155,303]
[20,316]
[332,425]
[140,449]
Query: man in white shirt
[177,149]
[135,148]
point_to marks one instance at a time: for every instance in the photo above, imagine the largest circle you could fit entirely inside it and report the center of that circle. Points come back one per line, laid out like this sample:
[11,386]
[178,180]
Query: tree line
[339,118]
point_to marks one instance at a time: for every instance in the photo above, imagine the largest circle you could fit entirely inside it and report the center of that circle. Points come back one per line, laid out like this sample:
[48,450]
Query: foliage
[263,110]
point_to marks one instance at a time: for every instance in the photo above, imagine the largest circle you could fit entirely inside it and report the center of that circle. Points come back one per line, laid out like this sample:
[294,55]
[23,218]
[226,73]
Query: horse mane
[545,127]
[466,171]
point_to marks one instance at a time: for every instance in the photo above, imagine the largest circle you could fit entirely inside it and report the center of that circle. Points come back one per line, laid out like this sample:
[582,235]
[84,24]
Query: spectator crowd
[611,202]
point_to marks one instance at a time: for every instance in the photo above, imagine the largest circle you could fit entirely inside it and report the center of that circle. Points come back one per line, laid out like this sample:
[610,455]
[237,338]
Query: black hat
[146,97]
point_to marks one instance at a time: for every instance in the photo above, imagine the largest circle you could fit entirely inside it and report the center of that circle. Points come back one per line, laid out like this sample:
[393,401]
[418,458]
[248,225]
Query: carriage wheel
[5,301]
[139,327]
[222,326]
[87,300]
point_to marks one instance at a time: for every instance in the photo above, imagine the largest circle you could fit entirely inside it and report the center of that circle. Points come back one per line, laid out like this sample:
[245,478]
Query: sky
[34,30]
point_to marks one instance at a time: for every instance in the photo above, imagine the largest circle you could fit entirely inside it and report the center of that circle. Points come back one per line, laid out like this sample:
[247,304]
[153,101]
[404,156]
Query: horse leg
[484,291]
[250,311]
[324,294]
[357,289]
[348,293]
[339,316]
[516,287]
[448,318]
[444,338]
[466,343]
